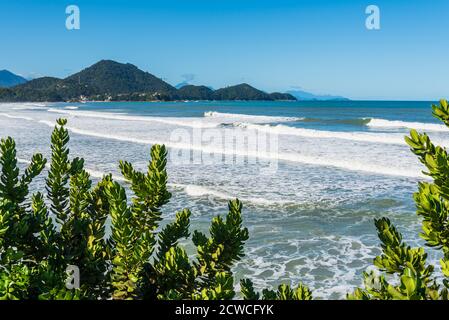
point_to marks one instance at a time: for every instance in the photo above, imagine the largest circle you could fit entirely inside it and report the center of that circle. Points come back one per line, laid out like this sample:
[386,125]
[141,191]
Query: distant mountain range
[303,95]
[112,81]
[108,80]
[9,79]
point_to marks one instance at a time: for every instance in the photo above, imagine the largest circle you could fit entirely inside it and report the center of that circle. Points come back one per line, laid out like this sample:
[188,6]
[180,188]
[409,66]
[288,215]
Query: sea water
[339,165]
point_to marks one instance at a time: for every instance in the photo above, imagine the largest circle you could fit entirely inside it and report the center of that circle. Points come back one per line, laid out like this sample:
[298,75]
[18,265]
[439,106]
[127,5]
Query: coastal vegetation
[404,271]
[124,251]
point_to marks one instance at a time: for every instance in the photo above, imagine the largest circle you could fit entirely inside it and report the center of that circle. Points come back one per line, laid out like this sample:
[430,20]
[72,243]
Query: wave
[355,121]
[71,108]
[184,122]
[339,255]
[251,118]
[272,157]
[202,191]
[272,119]
[190,189]
[382,123]
[312,133]
[6,115]
[29,106]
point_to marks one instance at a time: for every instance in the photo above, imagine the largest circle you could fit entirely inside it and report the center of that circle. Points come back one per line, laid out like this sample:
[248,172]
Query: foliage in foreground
[404,271]
[65,226]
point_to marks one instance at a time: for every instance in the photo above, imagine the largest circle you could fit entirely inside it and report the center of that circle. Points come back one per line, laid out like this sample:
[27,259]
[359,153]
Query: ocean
[321,174]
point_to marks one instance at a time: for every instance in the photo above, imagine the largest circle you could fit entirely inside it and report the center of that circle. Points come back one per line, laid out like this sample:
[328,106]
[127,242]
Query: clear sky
[321,46]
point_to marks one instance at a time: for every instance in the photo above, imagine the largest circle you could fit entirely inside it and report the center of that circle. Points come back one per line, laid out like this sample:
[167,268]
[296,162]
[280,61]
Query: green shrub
[404,272]
[66,226]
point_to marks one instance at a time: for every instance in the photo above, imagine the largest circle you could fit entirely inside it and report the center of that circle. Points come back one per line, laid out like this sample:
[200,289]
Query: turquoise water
[334,167]
[413,111]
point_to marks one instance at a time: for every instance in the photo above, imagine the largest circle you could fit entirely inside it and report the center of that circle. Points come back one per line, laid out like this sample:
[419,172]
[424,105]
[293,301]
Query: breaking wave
[382,123]
[250,118]
[273,157]
[184,122]
[312,133]
[6,115]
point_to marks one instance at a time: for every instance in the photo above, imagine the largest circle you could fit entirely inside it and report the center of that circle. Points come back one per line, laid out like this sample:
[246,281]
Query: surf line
[317,161]
[194,191]
[6,115]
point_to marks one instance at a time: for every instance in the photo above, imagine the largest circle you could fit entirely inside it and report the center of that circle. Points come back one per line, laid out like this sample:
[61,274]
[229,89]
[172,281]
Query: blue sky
[320,46]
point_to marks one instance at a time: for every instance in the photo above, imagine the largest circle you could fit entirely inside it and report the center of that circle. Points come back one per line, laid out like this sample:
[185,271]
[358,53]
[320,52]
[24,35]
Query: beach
[309,199]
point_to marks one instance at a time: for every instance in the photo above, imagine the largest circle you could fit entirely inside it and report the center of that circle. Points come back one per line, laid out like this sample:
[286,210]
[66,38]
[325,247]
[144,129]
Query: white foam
[250,118]
[199,191]
[190,189]
[19,160]
[304,257]
[382,123]
[202,191]
[185,122]
[71,108]
[6,115]
[311,133]
[27,105]
[346,164]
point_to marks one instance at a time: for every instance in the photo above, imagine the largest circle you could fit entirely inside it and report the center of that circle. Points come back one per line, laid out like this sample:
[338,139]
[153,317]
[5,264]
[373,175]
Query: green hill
[191,92]
[112,81]
[246,92]
[110,77]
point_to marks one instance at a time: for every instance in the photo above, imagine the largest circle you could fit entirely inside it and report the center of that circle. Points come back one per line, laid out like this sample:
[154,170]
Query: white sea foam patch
[345,164]
[330,265]
[19,160]
[190,189]
[382,123]
[236,117]
[71,108]
[6,115]
[203,191]
[184,122]
[311,133]
[27,106]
